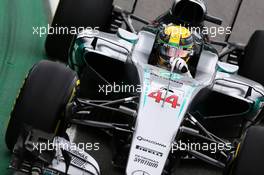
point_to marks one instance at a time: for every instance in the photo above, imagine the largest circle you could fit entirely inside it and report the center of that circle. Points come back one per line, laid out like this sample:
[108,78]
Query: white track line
[52,6]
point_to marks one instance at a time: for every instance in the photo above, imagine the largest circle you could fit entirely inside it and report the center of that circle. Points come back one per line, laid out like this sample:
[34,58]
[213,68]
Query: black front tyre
[252,64]
[42,99]
[251,154]
[73,14]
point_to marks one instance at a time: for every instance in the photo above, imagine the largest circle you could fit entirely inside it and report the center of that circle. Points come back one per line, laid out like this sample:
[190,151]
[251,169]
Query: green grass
[19,50]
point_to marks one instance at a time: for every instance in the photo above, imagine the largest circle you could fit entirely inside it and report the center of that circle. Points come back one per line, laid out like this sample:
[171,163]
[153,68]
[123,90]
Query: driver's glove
[180,65]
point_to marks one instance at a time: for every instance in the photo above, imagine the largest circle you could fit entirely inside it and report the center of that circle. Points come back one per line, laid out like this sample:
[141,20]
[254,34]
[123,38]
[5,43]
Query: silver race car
[161,95]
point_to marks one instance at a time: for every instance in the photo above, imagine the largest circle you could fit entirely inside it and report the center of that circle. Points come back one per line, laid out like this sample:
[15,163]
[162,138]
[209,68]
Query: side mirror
[228,68]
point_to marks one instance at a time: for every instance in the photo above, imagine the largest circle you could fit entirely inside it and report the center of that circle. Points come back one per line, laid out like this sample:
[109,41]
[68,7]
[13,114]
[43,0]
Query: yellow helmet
[174,41]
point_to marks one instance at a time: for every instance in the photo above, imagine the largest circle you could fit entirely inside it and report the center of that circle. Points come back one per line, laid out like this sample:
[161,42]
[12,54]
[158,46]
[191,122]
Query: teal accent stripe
[188,95]
[147,84]
[183,104]
[257,106]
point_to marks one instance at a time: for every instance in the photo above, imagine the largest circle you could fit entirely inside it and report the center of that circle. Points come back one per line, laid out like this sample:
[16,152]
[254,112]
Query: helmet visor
[168,51]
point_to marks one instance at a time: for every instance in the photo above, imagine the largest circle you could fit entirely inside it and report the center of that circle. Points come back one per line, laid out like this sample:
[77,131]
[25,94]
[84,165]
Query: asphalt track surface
[20,49]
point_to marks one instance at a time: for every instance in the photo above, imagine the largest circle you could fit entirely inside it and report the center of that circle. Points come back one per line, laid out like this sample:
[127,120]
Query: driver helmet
[174,41]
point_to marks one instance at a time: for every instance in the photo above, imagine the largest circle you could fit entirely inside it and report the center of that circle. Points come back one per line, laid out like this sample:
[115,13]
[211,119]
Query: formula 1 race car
[155,115]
